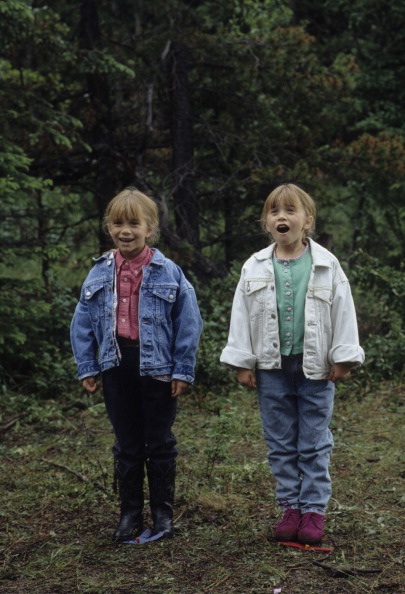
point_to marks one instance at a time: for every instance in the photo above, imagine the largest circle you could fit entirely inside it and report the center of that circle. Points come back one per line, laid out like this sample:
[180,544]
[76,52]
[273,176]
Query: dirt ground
[58,509]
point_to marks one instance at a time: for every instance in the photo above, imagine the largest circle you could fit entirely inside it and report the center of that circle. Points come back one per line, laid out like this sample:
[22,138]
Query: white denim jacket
[331,334]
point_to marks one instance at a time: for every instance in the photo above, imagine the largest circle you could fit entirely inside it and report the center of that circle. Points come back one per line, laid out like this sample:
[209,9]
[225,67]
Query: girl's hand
[339,371]
[246,377]
[179,387]
[90,384]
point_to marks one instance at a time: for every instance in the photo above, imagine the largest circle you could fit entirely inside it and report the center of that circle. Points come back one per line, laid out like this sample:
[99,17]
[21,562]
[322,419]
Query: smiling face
[131,220]
[129,236]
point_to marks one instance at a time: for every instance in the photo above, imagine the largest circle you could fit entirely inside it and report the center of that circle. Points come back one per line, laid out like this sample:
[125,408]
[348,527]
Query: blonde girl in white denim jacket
[293,334]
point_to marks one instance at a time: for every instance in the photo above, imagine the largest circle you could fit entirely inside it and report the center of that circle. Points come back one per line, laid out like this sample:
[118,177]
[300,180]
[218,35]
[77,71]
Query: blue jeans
[296,413]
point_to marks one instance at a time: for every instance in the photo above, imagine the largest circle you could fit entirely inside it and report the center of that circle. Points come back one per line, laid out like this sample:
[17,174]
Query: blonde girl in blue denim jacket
[293,335]
[138,324]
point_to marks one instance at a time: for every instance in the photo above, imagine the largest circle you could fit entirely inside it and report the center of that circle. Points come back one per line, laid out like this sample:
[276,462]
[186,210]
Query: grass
[58,510]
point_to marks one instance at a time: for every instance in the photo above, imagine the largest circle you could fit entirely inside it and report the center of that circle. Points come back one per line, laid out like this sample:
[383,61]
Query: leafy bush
[215,302]
[379,292]
[34,338]
[34,329]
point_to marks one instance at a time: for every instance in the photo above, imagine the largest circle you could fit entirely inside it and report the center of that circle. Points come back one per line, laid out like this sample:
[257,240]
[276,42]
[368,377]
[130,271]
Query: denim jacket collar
[320,256]
[157,259]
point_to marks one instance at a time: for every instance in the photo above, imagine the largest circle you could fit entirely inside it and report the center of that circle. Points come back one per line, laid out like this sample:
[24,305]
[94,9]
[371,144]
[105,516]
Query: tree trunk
[186,205]
[101,134]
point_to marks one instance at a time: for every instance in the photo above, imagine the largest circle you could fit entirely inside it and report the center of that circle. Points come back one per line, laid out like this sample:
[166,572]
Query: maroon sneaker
[287,528]
[310,529]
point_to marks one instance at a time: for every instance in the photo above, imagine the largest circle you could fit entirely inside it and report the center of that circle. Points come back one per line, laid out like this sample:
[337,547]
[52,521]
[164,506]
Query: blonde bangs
[132,205]
[282,197]
[289,195]
[125,207]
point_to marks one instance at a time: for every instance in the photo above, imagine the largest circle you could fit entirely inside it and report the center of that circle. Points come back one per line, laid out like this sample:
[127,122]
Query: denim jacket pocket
[93,295]
[323,304]
[255,291]
[251,286]
[323,294]
[164,298]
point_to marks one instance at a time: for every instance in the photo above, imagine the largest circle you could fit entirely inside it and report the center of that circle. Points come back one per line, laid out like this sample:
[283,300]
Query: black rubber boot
[130,490]
[161,480]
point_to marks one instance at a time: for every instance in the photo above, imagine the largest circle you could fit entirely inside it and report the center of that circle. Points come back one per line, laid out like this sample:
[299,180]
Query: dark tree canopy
[205,106]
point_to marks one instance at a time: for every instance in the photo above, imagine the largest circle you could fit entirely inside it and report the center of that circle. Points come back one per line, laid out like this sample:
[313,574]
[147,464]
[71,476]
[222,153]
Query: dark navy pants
[142,412]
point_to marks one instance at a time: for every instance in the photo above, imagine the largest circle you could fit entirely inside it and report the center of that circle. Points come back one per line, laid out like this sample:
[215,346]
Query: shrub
[34,338]
[215,301]
[379,292]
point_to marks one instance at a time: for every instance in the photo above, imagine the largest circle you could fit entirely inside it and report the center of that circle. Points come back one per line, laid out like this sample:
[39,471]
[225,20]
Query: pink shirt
[129,278]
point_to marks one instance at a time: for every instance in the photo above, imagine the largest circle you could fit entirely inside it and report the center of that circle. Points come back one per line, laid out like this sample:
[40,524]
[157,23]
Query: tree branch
[80,476]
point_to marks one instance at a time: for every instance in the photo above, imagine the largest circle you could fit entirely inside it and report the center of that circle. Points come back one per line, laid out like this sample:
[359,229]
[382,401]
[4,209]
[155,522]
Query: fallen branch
[80,476]
[345,571]
[6,426]
[79,405]
[217,583]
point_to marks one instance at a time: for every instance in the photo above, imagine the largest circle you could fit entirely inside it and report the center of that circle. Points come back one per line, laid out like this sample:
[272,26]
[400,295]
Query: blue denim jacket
[170,323]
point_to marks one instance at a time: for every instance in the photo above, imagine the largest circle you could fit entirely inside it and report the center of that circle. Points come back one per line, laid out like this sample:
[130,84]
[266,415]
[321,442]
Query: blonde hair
[133,205]
[290,195]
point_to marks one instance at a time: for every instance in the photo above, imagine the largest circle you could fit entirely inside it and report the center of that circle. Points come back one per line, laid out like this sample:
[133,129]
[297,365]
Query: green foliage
[380,299]
[215,302]
[34,347]
[379,291]
[377,30]
[277,90]
[219,436]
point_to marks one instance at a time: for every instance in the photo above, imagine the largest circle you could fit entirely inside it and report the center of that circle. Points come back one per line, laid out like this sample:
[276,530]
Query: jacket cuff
[87,370]
[183,373]
[347,353]
[189,379]
[237,358]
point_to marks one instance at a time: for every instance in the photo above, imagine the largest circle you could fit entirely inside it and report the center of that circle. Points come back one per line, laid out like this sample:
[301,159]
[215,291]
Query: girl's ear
[308,222]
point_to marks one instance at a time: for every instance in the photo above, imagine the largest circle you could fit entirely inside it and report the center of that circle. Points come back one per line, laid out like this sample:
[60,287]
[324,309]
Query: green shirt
[292,276]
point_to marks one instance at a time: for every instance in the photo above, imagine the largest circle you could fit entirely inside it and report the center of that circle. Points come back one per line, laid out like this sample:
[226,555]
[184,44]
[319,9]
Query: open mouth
[283,228]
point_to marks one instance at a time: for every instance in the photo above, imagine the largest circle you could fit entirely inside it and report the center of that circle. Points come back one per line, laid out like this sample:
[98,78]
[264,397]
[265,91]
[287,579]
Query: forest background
[206,107]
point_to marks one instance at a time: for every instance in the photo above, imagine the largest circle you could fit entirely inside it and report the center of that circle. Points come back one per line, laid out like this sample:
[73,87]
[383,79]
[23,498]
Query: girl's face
[287,224]
[129,236]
